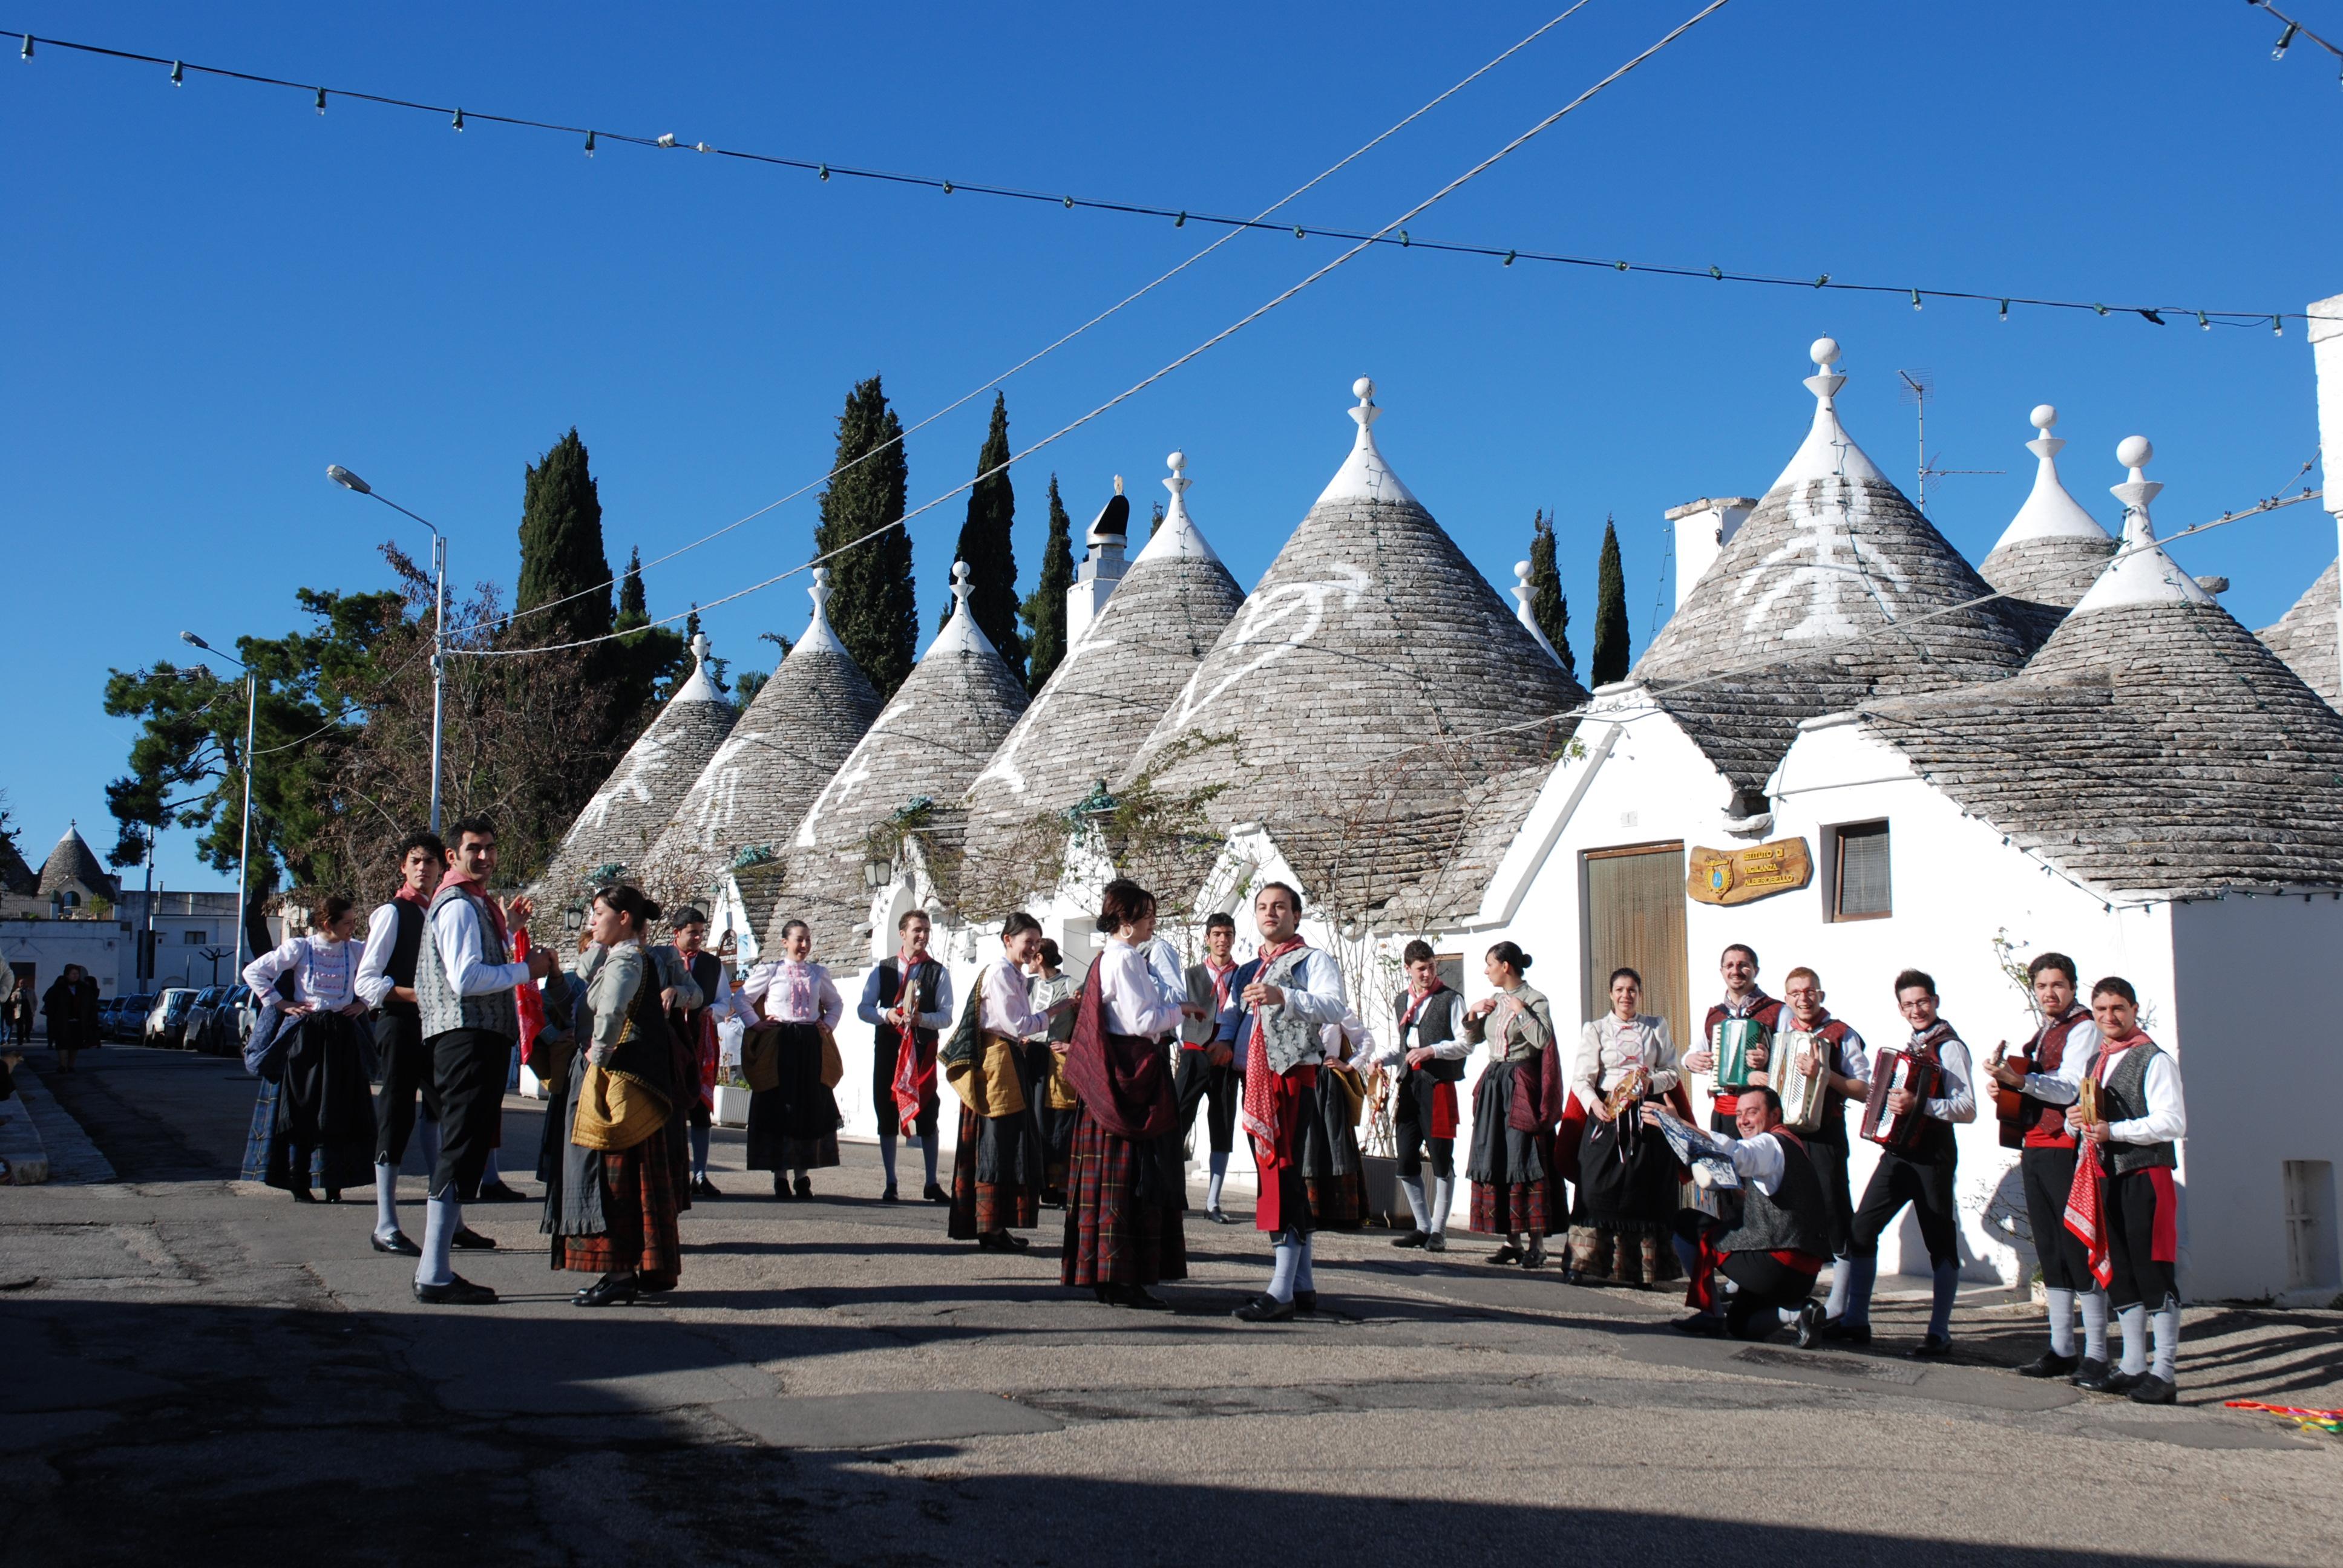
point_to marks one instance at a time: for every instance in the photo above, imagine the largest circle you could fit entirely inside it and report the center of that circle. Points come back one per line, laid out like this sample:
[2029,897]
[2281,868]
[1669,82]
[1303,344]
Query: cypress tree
[873,608]
[633,607]
[1045,608]
[561,547]
[987,546]
[1548,607]
[1610,612]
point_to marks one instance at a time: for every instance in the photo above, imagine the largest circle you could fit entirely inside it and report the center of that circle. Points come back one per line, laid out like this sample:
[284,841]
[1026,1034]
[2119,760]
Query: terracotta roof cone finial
[1365,476]
[2048,556]
[2141,572]
[1523,594]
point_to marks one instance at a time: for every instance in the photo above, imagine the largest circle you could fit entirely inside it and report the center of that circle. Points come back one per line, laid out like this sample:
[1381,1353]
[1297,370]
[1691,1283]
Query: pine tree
[874,608]
[987,546]
[561,559]
[1156,519]
[1548,607]
[1610,612]
[633,607]
[1045,608]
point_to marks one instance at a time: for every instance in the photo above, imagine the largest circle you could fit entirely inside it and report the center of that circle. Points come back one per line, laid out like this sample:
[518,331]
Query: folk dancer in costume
[1922,1177]
[321,1104]
[385,983]
[907,1000]
[1773,1254]
[998,1166]
[1341,1101]
[2143,1116]
[464,984]
[1624,1222]
[1744,1002]
[1208,1070]
[685,969]
[1046,985]
[1284,997]
[1428,1042]
[1123,1187]
[2056,1061]
[1848,1065]
[1516,1189]
[611,1202]
[793,1117]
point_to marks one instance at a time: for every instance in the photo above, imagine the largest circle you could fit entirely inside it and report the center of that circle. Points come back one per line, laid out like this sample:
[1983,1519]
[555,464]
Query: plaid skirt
[1513,1208]
[638,1215]
[1007,1149]
[1113,1237]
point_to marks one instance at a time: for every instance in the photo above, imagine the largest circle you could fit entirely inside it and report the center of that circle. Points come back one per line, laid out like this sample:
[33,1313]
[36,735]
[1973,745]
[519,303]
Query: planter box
[731,1106]
[1384,1200]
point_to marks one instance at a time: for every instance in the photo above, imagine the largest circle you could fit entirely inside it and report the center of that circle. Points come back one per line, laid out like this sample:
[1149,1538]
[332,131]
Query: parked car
[169,1016]
[228,1023]
[128,1021]
[195,1033]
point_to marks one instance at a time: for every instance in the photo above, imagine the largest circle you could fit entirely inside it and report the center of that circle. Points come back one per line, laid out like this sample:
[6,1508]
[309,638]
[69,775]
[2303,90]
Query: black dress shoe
[1435,1243]
[1706,1325]
[2154,1389]
[1810,1324]
[701,1187]
[781,1190]
[805,1187]
[1220,1217]
[2122,1383]
[608,1292]
[889,1195]
[1016,1240]
[2050,1363]
[1305,1302]
[1142,1298]
[934,1193]
[470,1240]
[1508,1253]
[1265,1310]
[1844,1333]
[2091,1375]
[398,1244]
[333,1194]
[1931,1347]
[458,1291]
[1412,1239]
[303,1195]
[994,1241]
[1534,1255]
[498,1193]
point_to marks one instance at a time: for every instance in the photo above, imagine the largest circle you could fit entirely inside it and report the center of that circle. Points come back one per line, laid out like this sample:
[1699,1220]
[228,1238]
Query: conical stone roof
[1121,675]
[800,727]
[919,755]
[15,876]
[2053,549]
[73,864]
[1371,688]
[2305,637]
[637,801]
[2154,747]
[1817,603]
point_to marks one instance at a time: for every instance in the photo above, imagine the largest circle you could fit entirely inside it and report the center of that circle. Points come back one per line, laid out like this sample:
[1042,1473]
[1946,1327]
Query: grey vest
[2124,1097]
[1292,1040]
[1794,1219]
[443,1011]
[1432,1022]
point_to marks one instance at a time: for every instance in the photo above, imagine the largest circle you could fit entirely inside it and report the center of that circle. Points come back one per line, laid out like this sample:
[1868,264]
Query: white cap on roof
[2141,573]
[1828,451]
[699,688]
[1177,535]
[961,634]
[818,633]
[1364,476]
[2049,512]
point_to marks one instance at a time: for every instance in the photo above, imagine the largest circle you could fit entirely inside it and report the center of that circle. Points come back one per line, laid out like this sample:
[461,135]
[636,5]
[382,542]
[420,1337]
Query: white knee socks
[1219,1175]
[2166,1323]
[1841,1272]
[2062,1322]
[1413,1186]
[444,1218]
[386,1199]
[1287,1253]
[887,1155]
[2095,1324]
[1443,1193]
[1303,1279]
[2133,1320]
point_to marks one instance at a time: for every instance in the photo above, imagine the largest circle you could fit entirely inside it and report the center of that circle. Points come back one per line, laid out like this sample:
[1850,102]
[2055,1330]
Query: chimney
[1102,566]
[1703,527]
[2327,358]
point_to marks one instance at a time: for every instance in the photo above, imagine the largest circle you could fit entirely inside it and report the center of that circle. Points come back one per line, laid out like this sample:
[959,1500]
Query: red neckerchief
[1407,1019]
[495,912]
[421,900]
[1222,977]
[2111,1047]
[1259,1109]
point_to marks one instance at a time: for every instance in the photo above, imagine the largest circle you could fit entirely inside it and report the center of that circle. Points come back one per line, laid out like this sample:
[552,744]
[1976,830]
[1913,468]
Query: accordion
[1735,1036]
[1803,1094]
[1892,1069]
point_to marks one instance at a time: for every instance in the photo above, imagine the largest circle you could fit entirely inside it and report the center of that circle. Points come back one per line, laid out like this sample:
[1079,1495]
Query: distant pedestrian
[71,1005]
[19,1014]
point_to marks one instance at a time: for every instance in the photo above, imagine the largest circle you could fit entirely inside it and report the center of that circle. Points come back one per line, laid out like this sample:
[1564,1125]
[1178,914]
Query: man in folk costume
[385,982]
[998,1167]
[2141,1119]
[464,987]
[2036,1091]
[907,1002]
[1771,1257]
[1427,1041]
[697,992]
[1208,1071]
[1748,1011]
[1285,995]
[1922,1176]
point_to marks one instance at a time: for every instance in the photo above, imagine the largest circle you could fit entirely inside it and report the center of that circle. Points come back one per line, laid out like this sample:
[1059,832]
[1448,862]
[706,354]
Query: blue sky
[213,292]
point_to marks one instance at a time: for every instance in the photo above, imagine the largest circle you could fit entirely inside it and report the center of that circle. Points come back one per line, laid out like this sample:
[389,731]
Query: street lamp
[244,851]
[349,481]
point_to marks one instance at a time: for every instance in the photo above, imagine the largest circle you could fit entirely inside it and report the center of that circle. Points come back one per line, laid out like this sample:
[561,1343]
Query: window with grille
[1859,889]
[2310,1258]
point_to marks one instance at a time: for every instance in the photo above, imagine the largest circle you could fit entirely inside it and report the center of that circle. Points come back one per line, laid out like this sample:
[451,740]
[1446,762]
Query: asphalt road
[198,1371]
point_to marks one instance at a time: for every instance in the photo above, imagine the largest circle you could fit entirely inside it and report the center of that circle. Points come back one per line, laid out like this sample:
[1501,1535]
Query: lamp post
[244,849]
[349,481]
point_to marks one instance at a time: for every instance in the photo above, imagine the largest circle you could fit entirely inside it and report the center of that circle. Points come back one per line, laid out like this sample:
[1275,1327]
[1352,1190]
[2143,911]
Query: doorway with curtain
[1634,917]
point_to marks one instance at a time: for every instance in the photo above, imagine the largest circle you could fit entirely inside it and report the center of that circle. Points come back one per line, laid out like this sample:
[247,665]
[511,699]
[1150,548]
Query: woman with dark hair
[71,1005]
[998,1172]
[316,1118]
[611,1201]
[793,1117]
[1046,985]
[1516,1189]
[1124,1186]
[1625,1219]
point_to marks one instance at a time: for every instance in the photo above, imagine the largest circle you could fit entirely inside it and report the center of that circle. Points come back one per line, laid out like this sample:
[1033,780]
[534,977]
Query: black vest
[925,977]
[405,949]
[1935,1144]
[1794,1219]
[704,968]
[2123,1096]
[1432,1027]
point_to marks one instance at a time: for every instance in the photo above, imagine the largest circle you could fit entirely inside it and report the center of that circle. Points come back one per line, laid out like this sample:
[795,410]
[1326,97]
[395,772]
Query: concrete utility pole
[2327,360]
[349,481]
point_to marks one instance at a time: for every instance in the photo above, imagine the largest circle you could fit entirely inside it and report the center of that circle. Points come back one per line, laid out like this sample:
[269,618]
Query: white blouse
[1610,1045]
[788,992]
[324,971]
[1134,1000]
[1007,1010]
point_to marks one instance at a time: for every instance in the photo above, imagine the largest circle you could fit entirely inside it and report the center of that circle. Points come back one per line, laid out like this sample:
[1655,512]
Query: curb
[21,1145]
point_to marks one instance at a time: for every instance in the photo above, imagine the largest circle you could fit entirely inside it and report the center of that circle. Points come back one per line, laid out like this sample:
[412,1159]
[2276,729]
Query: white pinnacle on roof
[1523,594]
[1828,451]
[2141,573]
[1364,476]
[699,688]
[2049,512]
[1177,534]
[819,636]
[961,634]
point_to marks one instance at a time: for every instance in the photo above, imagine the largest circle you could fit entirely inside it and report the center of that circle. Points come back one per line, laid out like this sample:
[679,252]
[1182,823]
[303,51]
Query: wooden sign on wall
[1740,876]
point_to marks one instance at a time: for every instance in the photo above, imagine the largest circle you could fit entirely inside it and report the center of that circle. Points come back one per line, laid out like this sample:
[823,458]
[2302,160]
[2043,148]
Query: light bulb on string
[1298,231]
[1182,221]
[27,52]
[2278,327]
[1070,204]
[458,121]
[589,144]
[946,188]
[2203,324]
[822,173]
[2004,311]
[178,74]
[1915,299]
[321,100]
[2285,39]
[1509,257]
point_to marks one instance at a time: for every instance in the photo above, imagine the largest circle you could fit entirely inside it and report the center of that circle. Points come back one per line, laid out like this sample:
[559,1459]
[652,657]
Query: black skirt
[1627,1177]
[324,1124]
[793,1126]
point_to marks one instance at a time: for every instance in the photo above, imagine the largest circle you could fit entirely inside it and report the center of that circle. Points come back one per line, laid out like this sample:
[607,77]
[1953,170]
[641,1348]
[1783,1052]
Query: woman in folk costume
[320,1110]
[1516,1189]
[788,1059]
[1046,985]
[611,1204]
[1627,1176]
[1124,1187]
[998,1169]
[1338,1197]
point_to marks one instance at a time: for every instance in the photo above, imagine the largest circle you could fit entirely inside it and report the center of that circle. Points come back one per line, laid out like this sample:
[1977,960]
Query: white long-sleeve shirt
[1851,1059]
[786,992]
[1393,1043]
[1958,1103]
[1313,993]
[1134,997]
[324,971]
[1007,1010]
[2065,1086]
[2166,1121]
[1164,964]
[374,981]
[463,952]
[873,1011]
[1758,1160]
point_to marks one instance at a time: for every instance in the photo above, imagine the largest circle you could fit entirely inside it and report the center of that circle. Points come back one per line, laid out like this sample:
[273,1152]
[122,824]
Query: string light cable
[2294,30]
[1140,385]
[458,118]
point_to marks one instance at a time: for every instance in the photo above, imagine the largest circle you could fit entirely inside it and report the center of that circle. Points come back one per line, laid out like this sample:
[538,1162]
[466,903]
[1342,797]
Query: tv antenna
[1919,385]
